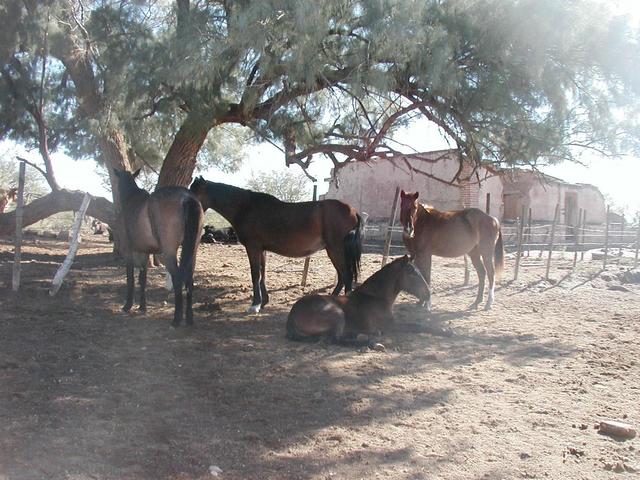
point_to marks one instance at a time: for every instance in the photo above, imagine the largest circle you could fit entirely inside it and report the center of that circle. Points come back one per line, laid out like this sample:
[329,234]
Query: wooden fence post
[15,280]
[392,221]
[73,247]
[520,237]
[584,229]
[307,261]
[606,241]
[635,262]
[528,238]
[466,271]
[621,240]
[553,233]
[576,241]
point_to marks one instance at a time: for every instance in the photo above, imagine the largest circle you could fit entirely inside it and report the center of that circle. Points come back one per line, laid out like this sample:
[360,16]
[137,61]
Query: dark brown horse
[159,223]
[264,223]
[470,231]
[367,310]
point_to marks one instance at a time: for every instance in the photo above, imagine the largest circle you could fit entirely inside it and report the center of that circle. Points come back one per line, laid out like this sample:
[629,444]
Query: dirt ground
[88,392]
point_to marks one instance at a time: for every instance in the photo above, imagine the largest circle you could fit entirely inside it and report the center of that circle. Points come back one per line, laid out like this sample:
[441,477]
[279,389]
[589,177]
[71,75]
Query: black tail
[191,239]
[353,253]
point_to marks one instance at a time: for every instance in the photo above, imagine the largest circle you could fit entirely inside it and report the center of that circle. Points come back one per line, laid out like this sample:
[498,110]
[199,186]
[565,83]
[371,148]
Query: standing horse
[264,223]
[366,310]
[159,223]
[427,232]
[7,196]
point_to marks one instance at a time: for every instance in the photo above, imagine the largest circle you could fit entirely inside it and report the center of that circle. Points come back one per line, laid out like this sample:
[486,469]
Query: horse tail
[353,250]
[498,255]
[191,238]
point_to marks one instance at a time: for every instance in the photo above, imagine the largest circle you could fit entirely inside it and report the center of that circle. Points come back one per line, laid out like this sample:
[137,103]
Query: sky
[617,178]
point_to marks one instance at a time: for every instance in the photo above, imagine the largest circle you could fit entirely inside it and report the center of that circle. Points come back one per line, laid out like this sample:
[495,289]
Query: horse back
[338,219]
[454,233]
[316,316]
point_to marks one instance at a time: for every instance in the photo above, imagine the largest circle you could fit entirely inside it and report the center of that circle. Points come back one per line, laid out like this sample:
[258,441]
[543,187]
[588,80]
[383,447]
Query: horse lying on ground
[218,235]
[367,310]
[159,223]
[427,232]
[264,223]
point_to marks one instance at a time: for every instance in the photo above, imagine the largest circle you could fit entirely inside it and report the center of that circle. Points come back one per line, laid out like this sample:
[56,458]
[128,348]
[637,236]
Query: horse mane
[372,282]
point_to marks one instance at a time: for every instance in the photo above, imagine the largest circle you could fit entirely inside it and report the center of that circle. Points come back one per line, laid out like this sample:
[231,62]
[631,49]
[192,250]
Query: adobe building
[541,193]
[370,186]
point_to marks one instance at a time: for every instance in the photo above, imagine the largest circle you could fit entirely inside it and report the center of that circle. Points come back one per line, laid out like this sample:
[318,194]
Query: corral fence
[524,238]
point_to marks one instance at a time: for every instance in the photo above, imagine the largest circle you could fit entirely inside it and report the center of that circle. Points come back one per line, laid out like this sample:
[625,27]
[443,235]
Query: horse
[7,196]
[427,232]
[158,223]
[366,310]
[264,223]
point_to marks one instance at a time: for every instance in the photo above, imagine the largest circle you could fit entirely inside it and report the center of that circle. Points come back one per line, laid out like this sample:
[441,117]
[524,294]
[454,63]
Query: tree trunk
[56,202]
[180,162]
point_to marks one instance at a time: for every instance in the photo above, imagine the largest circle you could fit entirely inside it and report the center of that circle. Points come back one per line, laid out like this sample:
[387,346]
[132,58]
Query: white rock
[215,470]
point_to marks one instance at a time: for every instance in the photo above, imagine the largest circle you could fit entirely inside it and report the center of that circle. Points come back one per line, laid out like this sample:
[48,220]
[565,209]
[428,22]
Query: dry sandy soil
[87,392]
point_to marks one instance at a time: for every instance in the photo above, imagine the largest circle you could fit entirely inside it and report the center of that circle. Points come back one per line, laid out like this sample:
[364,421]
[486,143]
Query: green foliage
[283,184]
[34,185]
[511,82]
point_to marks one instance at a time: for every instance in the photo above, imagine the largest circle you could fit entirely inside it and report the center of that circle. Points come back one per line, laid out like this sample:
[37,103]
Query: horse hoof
[126,308]
[473,306]
[253,309]
[487,307]
[142,309]
[427,305]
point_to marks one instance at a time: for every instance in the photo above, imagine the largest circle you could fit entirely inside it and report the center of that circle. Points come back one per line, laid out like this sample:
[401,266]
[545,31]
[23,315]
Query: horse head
[12,194]
[199,187]
[412,281]
[126,182]
[408,211]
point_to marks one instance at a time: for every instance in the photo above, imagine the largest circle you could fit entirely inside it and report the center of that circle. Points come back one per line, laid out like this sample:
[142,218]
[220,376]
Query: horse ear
[415,195]
[402,194]
[136,173]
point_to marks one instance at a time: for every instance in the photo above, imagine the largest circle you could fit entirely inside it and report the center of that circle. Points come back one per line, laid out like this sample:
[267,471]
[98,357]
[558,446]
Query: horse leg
[263,277]
[423,262]
[487,259]
[130,286]
[337,259]
[171,263]
[255,262]
[142,281]
[189,289]
[480,270]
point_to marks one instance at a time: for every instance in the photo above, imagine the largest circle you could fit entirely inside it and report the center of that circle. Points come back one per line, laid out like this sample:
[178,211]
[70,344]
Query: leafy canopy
[512,82]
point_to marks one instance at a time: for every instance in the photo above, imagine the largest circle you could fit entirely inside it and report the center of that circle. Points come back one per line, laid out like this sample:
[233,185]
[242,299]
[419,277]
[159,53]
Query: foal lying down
[367,310]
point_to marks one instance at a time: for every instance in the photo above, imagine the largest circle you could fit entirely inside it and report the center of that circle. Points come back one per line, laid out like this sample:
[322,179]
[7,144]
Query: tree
[511,82]
[285,185]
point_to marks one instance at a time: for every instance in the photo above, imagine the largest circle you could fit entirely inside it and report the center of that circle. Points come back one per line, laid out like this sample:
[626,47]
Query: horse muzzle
[408,232]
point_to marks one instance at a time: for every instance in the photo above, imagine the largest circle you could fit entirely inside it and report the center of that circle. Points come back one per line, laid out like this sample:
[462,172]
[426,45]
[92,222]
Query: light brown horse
[263,223]
[428,232]
[159,223]
[367,310]
[7,196]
